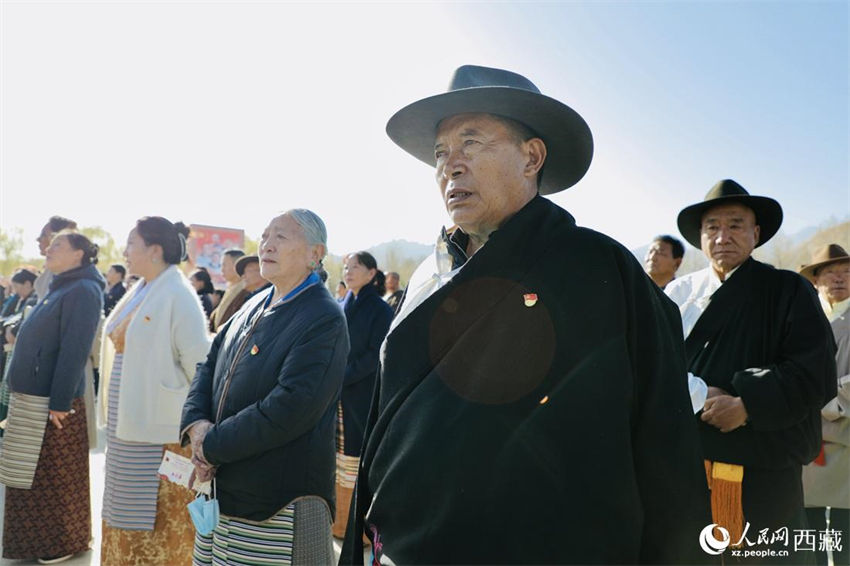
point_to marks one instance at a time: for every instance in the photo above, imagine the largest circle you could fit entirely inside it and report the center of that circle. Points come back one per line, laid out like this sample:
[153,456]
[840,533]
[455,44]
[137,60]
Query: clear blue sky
[225,113]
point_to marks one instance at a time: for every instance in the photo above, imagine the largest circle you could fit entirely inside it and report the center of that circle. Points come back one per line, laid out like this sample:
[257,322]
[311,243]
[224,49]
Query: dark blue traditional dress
[53,517]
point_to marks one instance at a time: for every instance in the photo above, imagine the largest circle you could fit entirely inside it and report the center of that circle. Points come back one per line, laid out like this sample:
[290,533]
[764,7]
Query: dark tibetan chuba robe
[534,409]
[764,338]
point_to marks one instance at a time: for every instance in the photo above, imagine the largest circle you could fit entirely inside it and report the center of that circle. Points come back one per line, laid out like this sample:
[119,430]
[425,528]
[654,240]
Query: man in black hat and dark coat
[759,339]
[532,404]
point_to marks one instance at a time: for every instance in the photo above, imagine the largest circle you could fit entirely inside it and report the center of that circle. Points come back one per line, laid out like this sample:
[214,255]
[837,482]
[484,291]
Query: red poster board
[208,243]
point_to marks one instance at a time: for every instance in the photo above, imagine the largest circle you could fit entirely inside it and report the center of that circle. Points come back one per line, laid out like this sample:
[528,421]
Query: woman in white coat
[158,332]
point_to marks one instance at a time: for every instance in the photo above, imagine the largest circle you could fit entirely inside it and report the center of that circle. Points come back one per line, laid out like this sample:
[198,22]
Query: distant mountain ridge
[786,252]
[394,250]
[401,256]
[391,252]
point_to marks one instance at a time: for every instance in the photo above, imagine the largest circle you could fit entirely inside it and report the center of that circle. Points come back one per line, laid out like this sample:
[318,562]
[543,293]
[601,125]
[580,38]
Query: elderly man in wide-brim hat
[826,481]
[757,337]
[532,404]
[251,283]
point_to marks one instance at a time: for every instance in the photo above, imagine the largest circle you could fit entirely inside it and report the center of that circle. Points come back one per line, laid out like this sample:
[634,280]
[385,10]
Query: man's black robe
[764,338]
[512,430]
[555,432]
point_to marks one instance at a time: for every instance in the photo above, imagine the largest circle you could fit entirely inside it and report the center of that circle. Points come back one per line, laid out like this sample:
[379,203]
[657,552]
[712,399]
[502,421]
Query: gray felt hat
[243,262]
[829,254]
[474,89]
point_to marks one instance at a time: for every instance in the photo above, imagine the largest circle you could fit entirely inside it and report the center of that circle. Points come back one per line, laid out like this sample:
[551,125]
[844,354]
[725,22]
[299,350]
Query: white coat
[165,341]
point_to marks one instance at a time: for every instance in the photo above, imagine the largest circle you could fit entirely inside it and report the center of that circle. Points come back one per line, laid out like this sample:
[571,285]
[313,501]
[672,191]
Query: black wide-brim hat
[768,212]
[474,89]
[243,261]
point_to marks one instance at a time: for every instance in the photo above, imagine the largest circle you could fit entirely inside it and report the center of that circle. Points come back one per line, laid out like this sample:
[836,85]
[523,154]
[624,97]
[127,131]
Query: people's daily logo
[710,544]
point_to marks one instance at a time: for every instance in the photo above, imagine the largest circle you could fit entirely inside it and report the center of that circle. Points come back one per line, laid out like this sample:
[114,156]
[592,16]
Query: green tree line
[12,245]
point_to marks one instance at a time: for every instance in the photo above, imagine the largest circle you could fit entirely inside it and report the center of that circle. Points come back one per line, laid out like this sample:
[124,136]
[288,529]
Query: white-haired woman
[261,412]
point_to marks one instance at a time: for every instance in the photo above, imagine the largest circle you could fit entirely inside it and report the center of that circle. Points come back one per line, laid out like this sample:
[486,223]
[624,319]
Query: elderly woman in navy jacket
[261,412]
[369,318]
[52,520]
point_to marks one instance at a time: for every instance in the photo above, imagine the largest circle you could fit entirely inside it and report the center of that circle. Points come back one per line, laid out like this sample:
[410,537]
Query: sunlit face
[728,235]
[228,268]
[251,275]
[341,290]
[138,256]
[60,256]
[112,276]
[22,290]
[44,239]
[833,282]
[483,171]
[284,253]
[392,283]
[355,274]
[659,261]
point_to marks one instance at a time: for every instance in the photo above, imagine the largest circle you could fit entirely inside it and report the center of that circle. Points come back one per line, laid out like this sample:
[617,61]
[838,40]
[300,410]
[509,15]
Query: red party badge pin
[530,299]
[255,350]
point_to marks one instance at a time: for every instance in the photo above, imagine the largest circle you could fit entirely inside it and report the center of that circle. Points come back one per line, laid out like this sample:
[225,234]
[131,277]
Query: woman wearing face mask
[368,317]
[261,412]
[158,334]
[51,521]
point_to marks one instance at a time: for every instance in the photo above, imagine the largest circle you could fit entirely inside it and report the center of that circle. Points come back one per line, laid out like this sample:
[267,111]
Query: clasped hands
[724,411]
[204,471]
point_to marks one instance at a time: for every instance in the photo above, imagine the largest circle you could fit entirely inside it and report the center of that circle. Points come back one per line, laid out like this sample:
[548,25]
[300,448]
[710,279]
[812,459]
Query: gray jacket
[828,485]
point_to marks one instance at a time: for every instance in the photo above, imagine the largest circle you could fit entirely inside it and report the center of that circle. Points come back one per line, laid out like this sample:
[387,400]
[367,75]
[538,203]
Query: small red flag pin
[530,299]
[255,350]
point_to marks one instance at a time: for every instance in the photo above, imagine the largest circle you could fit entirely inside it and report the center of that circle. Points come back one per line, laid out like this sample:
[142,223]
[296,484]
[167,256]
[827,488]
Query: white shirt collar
[701,286]
[834,311]
[728,275]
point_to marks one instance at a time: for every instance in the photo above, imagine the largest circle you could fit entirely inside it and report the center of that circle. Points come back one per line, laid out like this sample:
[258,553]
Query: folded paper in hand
[176,468]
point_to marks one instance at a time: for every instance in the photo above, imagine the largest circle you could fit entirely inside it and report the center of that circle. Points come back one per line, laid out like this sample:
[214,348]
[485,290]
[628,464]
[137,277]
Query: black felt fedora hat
[768,212]
[474,89]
